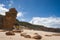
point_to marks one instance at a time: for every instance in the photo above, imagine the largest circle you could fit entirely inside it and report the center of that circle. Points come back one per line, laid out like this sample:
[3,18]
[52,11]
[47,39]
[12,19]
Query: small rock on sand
[10,33]
[37,36]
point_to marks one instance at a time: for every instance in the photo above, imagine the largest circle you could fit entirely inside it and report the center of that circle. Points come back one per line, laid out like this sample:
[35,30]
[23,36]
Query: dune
[17,36]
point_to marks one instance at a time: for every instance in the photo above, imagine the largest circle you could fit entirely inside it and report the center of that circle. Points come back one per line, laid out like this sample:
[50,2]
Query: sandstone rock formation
[8,21]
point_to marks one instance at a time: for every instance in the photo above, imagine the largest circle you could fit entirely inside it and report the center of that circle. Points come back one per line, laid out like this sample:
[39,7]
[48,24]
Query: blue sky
[30,9]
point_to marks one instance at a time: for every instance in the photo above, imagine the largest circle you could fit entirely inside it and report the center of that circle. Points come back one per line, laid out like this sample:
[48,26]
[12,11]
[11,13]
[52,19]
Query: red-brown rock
[10,33]
[23,34]
[27,36]
[37,36]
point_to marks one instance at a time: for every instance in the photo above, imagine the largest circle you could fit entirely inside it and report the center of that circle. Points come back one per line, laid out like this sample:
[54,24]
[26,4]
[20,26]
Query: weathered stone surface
[10,33]
[8,21]
[37,36]
[25,35]
[1,21]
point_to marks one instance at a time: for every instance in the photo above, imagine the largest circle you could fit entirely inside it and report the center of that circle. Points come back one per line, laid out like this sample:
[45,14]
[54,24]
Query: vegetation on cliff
[37,27]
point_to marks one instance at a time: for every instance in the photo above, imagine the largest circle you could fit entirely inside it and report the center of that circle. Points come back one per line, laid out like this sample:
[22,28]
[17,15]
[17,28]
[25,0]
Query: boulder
[37,36]
[10,33]
[23,34]
[27,36]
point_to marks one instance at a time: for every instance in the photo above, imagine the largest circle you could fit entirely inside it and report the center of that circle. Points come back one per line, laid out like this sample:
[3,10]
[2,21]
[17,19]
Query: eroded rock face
[10,19]
[1,21]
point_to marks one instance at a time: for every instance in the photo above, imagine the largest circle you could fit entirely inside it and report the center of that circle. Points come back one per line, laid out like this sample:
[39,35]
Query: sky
[39,12]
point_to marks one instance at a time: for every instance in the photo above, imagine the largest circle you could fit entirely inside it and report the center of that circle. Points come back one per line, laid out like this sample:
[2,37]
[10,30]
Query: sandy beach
[17,36]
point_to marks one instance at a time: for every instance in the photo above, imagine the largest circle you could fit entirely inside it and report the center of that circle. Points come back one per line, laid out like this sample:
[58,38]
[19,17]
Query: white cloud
[20,16]
[3,9]
[53,22]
